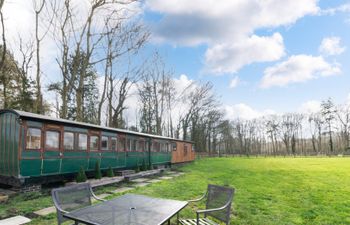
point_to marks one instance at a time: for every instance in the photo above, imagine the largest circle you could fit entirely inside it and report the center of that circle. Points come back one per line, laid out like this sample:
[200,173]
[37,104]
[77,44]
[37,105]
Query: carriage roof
[28,115]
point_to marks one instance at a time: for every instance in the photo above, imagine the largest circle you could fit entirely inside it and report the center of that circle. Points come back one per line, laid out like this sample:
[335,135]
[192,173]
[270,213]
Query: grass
[268,190]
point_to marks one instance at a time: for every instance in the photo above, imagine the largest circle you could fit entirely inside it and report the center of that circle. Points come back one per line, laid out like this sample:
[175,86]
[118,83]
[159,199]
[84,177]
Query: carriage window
[128,145]
[170,146]
[174,146]
[82,141]
[193,148]
[121,144]
[134,145]
[68,141]
[163,147]
[113,146]
[141,146]
[156,147]
[104,143]
[52,140]
[33,138]
[94,140]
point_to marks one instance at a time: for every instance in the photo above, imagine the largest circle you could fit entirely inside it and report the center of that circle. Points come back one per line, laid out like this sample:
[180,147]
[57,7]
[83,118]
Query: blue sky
[184,34]
[262,56]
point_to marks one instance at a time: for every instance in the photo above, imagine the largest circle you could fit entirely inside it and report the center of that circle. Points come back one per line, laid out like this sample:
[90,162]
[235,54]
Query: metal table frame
[71,215]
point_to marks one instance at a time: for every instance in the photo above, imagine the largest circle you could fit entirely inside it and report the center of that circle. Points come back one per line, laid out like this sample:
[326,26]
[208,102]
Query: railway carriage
[39,149]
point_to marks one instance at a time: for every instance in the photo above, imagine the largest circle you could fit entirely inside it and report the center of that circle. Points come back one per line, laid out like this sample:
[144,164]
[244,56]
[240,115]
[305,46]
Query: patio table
[129,209]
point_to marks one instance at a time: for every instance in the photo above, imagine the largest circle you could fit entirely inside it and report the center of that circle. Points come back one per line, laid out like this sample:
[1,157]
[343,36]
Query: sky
[263,57]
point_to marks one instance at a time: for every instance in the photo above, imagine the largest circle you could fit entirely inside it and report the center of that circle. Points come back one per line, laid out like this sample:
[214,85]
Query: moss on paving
[268,190]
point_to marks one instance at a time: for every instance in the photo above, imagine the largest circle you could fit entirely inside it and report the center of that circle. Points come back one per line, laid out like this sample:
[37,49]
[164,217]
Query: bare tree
[343,115]
[290,127]
[198,101]
[3,36]
[38,6]
[85,39]
[328,113]
[272,130]
[154,91]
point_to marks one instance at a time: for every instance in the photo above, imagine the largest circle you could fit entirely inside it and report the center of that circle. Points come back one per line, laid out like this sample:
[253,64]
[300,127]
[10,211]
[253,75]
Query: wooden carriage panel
[192,153]
[183,152]
[178,153]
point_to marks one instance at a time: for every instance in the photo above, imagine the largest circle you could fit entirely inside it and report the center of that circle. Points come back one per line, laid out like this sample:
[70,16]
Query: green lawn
[268,190]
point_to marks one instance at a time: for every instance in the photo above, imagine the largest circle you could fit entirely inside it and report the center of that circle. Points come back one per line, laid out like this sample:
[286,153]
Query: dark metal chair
[218,206]
[72,197]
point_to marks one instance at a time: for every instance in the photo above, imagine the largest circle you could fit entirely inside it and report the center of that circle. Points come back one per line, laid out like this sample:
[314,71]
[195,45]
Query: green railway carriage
[39,149]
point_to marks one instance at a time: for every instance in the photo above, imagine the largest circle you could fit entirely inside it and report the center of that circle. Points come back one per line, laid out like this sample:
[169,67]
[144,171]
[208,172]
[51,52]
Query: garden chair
[218,206]
[72,197]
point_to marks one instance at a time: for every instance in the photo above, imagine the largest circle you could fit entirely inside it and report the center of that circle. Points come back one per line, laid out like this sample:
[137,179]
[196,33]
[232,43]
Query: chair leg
[177,218]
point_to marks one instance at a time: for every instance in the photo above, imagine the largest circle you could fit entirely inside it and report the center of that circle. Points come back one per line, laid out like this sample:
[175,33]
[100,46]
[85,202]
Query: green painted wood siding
[9,138]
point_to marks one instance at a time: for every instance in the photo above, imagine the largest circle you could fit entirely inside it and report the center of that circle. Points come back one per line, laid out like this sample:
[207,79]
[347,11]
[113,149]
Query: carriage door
[94,149]
[121,151]
[132,154]
[108,148]
[52,152]
[141,152]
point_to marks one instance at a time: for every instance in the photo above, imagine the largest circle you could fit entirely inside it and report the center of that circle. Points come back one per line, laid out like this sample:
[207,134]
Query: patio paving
[165,178]
[45,211]
[154,181]
[121,190]
[175,175]
[140,180]
[140,184]
[100,182]
[171,172]
[17,220]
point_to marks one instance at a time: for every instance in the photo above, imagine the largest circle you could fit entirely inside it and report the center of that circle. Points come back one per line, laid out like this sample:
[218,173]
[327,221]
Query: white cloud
[310,107]
[244,111]
[192,22]
[227,27]
[331,46]
[182,82]
[331,11]
[234,82]
[230,57]
[297,69]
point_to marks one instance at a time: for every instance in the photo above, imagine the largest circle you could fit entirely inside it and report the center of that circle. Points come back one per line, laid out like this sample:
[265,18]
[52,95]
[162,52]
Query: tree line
[325,132]
[100,64]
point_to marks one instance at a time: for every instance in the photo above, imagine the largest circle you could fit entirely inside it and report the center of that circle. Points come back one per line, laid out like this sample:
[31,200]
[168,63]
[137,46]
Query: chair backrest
[72,197]
[217,197]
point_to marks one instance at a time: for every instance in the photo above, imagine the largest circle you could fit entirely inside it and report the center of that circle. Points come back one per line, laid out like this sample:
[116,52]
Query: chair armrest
[95,197]
[58,208]
[99,199]
[215,209]
[198,199]
[61,210]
